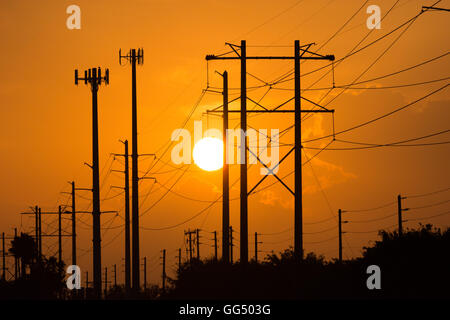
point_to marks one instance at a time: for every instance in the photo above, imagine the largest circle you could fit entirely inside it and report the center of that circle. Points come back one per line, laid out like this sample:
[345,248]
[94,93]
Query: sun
[208,154]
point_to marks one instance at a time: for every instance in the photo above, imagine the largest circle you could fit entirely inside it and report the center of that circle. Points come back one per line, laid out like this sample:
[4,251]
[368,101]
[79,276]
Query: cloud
[328,174]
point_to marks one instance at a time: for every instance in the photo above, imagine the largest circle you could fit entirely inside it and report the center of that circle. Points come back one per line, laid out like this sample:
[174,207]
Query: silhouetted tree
[24,247]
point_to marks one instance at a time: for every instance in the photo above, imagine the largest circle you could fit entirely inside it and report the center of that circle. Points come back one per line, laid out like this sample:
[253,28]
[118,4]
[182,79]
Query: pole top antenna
[138,56]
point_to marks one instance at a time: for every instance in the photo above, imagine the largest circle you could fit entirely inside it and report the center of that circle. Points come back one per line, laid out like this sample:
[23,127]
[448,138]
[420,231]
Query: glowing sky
[45,130]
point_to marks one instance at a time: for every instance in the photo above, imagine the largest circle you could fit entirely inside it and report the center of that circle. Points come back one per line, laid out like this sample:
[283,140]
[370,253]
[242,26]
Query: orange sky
[46,119]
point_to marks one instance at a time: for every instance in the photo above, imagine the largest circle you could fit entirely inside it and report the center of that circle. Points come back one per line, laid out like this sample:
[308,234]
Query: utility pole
[164,271]
[215,245]
[340,233]
[145,273]
[74,212]
[189,234]
[59,237]
[40,234]
[3,257]
[38,213]
[299,54]
[298,198]
[94,78]
[106,281]
[115,275]
[197,238]
[256,246]
[127,218]
[231,244]
[36,228]
[134,58]
[179,260]
[244,204]
[400,211]
[225,178]
[16,260]
[74,228]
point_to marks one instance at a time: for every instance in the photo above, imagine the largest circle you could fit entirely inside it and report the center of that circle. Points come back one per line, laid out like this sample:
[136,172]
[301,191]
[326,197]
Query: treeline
[413,265]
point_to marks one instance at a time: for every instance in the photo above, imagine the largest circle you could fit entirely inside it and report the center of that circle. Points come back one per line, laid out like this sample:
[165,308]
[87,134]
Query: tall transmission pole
[225,178]
[299,54]
[244,201]
[94,78]
[134,58]
[127,218]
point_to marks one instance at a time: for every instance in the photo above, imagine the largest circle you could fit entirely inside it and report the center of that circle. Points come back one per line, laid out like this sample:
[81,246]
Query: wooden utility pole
[134,58]
[231,244]
[197,239]
[164,270]
[40,234]
[74,227]
[256,246]
[340,235]
[127,217]
[36,229]
[106,281]
[16,260]
[400,211]
[215,245]
[179,260]
[3,258]
[74,221]
[115,275]
[38,213]
[299,54]
[94,78]
[59,236]
[189,234]
[145,273]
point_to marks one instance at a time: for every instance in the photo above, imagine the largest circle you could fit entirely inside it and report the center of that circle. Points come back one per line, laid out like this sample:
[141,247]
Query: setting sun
[208,154]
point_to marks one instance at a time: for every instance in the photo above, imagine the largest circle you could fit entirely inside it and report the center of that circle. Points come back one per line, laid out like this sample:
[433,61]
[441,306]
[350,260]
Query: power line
[429,217]
[427,194]
[430,205]
[374,208]
[380,117]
